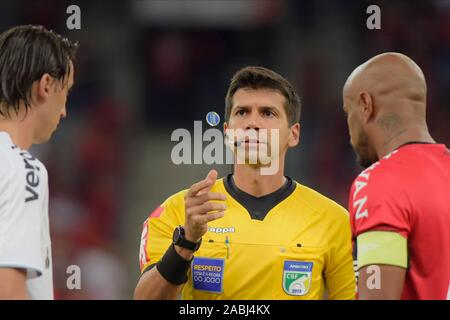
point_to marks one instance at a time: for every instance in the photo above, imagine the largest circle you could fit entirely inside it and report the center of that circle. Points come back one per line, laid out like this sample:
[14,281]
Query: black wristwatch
[180,240]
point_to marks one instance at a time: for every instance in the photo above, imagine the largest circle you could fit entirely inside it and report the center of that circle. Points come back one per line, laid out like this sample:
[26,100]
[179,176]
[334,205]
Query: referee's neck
[250,180]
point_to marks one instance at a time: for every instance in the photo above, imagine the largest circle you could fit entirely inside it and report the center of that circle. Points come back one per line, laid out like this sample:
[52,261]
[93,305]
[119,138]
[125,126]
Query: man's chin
[254,160]
[43,138]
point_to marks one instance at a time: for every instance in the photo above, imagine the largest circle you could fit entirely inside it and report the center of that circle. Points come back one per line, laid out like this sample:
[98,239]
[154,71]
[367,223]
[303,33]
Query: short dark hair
[263,78]
[26,54]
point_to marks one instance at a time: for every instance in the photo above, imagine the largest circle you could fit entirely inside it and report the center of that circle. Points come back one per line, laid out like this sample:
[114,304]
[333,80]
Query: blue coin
[212,118]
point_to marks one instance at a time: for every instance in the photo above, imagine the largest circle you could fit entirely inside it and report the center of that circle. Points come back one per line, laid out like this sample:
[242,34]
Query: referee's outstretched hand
[202,207]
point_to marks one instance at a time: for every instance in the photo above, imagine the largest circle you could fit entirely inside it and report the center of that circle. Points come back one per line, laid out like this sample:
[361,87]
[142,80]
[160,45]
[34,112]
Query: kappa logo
[297,277]
[221,230]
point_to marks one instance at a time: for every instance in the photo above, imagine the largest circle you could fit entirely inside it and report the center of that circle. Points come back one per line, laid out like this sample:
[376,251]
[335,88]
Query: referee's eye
[268,113]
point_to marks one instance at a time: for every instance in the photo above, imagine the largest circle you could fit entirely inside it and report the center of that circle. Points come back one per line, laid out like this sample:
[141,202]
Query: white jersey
[24,226]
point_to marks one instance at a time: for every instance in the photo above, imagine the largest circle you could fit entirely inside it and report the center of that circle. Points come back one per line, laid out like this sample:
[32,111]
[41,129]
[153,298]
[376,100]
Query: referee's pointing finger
[204,185]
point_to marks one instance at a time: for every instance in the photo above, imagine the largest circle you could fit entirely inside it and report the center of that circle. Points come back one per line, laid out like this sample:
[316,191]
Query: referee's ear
[294,135]
[225,126]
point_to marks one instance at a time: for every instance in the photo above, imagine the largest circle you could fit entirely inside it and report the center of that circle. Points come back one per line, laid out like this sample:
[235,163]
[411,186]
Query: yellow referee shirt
[291,244]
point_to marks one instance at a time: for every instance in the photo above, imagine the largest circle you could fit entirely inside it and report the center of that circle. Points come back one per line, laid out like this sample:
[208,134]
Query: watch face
[176,235]
[179,239]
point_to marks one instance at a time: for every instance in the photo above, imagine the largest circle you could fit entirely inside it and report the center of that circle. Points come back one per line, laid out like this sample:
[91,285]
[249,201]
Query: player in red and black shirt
[399,205]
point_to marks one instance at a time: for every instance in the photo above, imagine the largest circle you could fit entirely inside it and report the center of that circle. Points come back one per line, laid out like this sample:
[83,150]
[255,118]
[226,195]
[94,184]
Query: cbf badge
[207,274]
[297,277]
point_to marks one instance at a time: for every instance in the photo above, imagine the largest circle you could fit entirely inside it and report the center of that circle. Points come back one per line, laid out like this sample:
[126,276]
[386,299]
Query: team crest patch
[297,277]
[207,274]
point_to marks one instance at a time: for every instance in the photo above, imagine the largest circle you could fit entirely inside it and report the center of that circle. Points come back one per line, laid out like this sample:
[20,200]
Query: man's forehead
[261,97]
[353,82]
[345,90]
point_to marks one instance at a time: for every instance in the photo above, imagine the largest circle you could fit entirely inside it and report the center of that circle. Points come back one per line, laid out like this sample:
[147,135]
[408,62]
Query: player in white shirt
[36,75]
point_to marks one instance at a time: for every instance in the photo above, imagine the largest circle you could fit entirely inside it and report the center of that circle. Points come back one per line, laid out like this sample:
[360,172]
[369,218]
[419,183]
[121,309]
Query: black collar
[258,207]
[413,142]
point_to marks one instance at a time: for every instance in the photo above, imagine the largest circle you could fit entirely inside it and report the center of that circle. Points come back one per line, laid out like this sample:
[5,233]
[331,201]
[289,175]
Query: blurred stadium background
[146,68]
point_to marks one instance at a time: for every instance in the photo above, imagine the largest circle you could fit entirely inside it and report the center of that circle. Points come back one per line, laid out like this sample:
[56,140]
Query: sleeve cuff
[32,271]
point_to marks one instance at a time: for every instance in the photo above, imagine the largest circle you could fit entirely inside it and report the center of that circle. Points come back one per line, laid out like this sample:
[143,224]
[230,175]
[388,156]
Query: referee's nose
[253,123]
[252,127]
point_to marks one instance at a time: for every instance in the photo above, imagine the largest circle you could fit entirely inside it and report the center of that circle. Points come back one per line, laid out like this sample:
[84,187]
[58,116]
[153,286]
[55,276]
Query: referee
[250,235]
[36,74]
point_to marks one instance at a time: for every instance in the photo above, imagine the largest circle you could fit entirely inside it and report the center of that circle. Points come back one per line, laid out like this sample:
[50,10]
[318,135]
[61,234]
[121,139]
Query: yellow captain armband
[382,247]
